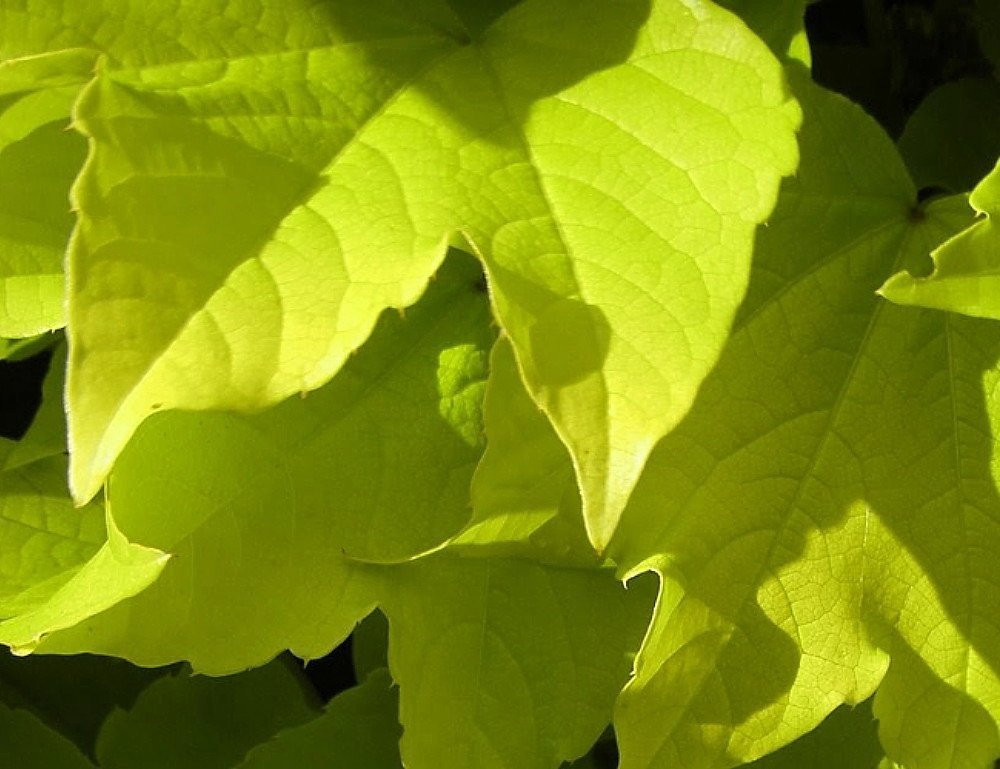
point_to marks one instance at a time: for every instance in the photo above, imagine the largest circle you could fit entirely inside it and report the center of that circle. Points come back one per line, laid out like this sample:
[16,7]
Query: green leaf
[256,511]
[260,511]
[20,349]
[506,663]
[966,275]
[825,519]
[357,730]
[524,496]
[847,739]
[39,159]
[205,723]
[950,140]
[27,743]
[59,564]
[277,225]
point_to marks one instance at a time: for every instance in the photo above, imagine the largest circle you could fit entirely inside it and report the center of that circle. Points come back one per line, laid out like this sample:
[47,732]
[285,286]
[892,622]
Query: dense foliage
[594,372]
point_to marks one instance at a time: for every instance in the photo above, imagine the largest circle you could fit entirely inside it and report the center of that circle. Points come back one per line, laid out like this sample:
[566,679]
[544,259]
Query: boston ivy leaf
[259,561]
[39,159]
[357,730]
[59,564]
[506,663]
[826,516]
[27,743]
[950,140]
[966,275]
[205,723]
[260,511]
[291,196]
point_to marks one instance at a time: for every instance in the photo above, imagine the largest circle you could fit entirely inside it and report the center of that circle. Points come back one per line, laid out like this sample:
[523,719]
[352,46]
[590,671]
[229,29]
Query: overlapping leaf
[39,158]
[357,730]
[826,517]
[966,275]
[516,663]
[259,511]
[300,167]
[205,723]
[59,564]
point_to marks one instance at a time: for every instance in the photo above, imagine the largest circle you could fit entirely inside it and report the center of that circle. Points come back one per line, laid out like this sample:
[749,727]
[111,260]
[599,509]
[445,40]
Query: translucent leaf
[259,511]
[259,557]
[825,519]
[59,564]
[357,730]
[204,723]
[951,139]
[39,158]
[506,663]
[966,275]
[524,496]
[300,171]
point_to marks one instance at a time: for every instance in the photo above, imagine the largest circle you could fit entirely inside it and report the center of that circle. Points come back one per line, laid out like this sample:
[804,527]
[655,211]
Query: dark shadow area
[334,673]
[889,54]
[74,694]
[21,393]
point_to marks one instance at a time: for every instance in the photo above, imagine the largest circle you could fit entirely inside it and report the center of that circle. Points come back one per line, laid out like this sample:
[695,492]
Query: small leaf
[39,158]
[966,275]
[59,564]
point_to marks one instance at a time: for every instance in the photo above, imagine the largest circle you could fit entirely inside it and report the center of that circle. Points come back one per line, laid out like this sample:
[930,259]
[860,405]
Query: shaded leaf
[950,140]
[59,564]
[204,723]
[264,255]
[824,519]
[27,743]
[357,730]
